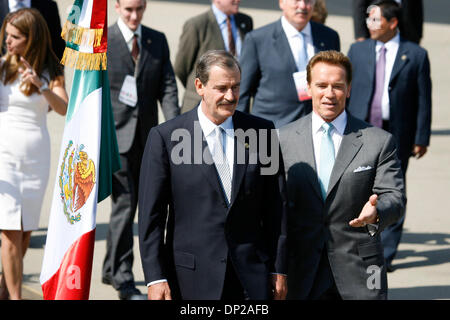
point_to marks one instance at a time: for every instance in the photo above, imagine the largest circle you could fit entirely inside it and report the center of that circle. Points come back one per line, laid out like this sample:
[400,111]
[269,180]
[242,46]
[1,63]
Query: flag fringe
[81,36]
[84,60]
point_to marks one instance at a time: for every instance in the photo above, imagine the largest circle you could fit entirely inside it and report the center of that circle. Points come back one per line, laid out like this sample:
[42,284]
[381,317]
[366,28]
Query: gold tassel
[81,36]
[84,60]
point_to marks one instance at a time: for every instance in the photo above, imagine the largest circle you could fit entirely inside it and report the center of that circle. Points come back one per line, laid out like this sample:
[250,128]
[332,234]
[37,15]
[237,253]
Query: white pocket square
[362,168]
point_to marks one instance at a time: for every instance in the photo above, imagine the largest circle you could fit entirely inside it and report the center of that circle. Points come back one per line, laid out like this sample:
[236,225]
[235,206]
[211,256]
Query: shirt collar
[290,30]
[208,126]
[339,123]
[394,42]
[220,16]
[127,32]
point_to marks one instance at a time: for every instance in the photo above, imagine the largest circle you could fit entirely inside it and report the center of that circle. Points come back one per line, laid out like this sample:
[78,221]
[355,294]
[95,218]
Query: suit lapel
[239,168]
[305,152]
[117,41]
[400,60]
[219,43]
[281,44]
[241,25]
[317,41]
[350,146]
[144,53]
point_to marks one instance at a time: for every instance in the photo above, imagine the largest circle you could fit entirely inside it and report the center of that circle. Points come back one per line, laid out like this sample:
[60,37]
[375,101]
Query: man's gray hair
[220,58]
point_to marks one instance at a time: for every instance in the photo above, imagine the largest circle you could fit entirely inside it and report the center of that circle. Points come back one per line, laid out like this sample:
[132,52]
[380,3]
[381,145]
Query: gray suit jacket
[200,34]
[155,82]
[267,67]
[315,225]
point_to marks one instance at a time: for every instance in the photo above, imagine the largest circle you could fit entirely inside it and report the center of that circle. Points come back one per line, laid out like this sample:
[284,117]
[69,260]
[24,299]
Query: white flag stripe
[87,116]
[86,14]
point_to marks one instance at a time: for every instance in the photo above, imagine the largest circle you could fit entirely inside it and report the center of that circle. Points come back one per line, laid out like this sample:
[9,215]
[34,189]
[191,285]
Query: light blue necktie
[303,55]
[326,158]
[221,163]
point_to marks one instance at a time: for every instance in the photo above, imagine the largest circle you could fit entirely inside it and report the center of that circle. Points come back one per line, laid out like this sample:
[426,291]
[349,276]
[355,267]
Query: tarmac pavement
[423,261]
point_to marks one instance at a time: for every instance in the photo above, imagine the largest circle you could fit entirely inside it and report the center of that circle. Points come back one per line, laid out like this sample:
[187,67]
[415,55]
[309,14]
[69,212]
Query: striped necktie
[221,163]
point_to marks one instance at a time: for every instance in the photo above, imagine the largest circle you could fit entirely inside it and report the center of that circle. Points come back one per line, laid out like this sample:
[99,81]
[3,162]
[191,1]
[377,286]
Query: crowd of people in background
[347,126]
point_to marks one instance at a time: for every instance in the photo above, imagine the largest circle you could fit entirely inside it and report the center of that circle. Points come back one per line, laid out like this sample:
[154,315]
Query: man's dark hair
[389,9]
[220,58]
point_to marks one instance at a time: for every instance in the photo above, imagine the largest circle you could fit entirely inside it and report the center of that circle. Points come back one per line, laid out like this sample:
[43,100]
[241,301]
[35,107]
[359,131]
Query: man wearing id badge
[140,74]
[274,59]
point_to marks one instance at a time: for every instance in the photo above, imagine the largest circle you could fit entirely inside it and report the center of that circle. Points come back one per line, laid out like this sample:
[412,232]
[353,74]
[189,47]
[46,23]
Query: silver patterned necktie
[221,163]
[326,158]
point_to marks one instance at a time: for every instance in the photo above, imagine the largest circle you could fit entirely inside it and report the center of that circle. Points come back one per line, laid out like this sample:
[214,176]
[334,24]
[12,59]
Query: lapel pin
[149,41]
[246,145]
[242,25]
[404,57]
[322,44]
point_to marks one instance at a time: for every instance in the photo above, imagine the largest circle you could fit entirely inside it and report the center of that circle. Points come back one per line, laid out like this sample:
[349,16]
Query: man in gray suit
[274,59]
[220,28]
[140,75]
[344,186]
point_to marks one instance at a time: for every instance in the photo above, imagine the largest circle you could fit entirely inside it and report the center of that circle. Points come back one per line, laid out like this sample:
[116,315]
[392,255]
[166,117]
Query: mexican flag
[88,157]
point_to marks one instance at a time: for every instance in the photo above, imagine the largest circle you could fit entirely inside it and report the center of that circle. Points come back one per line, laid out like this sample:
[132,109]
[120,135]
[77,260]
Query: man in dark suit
[344,187]
[392,90]
[140,75]
[209,31]
[211,218]
[48,9]
[411,16]
[274,59]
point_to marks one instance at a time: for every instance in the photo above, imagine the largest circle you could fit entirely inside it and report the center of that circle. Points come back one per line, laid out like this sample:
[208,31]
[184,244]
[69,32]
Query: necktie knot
[327,128]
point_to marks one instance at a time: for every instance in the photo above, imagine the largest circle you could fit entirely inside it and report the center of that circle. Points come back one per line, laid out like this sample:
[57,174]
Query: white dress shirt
[296,41]
[391,53]
[208,128]
[221,19]
[128,34]
[337,132]
[14,7]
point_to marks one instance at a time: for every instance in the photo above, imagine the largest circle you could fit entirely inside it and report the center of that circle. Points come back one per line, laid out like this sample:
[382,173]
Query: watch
[44,87]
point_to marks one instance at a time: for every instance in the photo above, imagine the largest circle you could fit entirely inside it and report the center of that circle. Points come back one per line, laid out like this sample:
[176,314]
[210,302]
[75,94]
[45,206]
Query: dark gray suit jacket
[366,164]
[267,67]
[409,92]
[155,82]
[49,10]
[200,34]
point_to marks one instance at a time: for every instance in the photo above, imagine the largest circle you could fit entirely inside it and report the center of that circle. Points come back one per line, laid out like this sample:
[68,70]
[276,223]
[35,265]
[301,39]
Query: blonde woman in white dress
[31,85]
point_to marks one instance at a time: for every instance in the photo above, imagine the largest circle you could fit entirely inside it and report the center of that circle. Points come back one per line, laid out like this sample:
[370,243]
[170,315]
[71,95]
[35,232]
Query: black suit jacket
[49,10]
[202,231]
[409,92]
[267,67]
[155,82]
[411,26]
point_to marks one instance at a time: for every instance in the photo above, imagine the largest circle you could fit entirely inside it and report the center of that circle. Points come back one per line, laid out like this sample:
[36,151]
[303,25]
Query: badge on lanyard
[128,93]
[301,85]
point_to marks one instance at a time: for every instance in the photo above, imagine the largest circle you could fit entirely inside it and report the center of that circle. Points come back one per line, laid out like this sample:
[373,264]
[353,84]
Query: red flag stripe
[72,281]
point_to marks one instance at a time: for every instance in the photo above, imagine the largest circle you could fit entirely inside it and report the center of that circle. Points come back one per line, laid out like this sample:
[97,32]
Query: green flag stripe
[75,13]
[84,82]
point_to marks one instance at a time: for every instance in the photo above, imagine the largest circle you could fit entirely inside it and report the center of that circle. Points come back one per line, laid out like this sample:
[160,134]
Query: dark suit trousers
[118,262]
[391,236]
[232,288]
[324,286]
